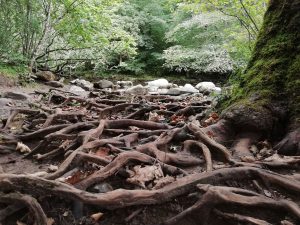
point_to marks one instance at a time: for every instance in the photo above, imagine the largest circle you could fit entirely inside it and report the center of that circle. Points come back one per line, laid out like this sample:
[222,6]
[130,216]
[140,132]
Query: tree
[266,101]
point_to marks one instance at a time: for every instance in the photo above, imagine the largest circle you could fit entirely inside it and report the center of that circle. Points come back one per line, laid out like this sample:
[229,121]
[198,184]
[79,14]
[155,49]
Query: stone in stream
[188,88]
[86,85]
[207,87]
[174,92]
[103,84]
[159,83]
[16,95]
[45,75]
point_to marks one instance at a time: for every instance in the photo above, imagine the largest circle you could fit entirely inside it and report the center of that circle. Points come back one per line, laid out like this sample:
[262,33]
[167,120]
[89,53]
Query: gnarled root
[217,195]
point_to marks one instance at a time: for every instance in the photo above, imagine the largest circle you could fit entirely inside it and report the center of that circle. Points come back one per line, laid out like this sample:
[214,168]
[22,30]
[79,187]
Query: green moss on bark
[273,73]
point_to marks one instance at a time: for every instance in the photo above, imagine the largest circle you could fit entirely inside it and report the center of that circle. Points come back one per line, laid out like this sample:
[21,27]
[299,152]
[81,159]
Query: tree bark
[267,99]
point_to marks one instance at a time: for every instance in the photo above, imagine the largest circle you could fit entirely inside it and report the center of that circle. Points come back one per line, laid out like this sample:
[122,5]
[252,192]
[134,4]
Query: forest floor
[114,158]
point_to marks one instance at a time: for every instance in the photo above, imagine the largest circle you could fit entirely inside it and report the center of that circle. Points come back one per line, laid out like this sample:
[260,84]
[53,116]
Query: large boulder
[103,84]
[159,83]
[16,95]
[45,76]
[206,87]
[86,85]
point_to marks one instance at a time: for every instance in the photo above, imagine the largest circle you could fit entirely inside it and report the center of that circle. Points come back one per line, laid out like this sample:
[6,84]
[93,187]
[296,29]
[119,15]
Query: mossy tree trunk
[267,100]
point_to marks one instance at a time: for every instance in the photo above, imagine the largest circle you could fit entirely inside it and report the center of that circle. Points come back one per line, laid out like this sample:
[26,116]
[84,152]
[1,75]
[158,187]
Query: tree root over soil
[146,154]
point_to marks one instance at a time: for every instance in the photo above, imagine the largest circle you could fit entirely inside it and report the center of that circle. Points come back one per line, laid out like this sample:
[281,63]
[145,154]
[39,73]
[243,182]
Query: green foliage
[129,36]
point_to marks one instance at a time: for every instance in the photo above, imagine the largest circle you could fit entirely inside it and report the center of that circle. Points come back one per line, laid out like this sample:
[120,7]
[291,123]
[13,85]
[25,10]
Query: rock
[52,168]
[78,91]
[206,87]
[16,95]
[125,84]
[86,85]
[4,102]
[103,84]
[218,90]
[55,84]
[188,88]
[174,92]
[102,188]
[45,75]
[137,90]
[160,83]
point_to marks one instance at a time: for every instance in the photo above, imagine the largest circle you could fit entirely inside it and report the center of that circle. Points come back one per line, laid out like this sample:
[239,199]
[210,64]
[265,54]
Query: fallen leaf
[77,177]
[177,119]
[210,134]
[102,152]
[140,174]
[97,216]
[50,221]
[20,223]
[22,148]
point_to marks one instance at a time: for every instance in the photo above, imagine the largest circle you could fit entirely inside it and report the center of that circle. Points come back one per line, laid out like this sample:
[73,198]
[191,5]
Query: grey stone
[103,84]
[174,92]
[16,95]
[78,91]
[102,188]
[86,85]
[5,102]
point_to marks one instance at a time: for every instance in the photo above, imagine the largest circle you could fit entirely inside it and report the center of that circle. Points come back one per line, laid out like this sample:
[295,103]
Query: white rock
[188,88]
[206,86]
[83,84]
[160,83]
[218,90]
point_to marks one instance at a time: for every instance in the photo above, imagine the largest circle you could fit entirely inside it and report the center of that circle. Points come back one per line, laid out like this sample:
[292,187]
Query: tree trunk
[267,100]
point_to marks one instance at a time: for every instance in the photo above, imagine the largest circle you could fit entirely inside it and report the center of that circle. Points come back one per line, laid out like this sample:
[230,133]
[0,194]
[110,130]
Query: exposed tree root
[106,139]
[217,195]
[30,202]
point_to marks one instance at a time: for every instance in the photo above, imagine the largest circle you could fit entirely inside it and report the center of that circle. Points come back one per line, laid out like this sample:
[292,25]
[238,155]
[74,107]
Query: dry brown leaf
[20,223]
[77,177]
[50,221]
[140,174]
[102,152]
[97,216]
